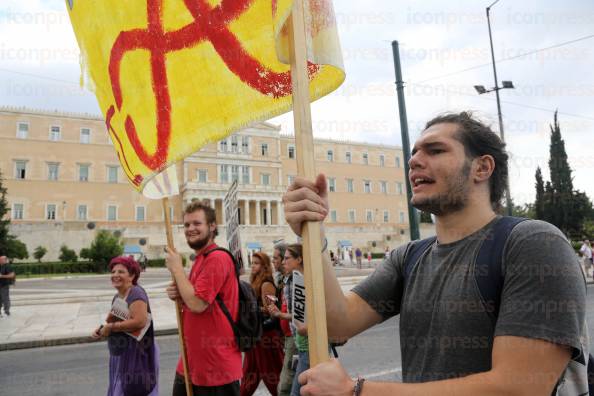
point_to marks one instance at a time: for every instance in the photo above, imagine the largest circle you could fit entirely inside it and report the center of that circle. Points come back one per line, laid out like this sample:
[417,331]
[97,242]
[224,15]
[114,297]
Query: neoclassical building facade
[64,182]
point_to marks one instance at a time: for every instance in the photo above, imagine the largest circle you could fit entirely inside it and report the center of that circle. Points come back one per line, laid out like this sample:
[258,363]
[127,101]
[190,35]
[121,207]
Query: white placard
[232,222]
[298,298]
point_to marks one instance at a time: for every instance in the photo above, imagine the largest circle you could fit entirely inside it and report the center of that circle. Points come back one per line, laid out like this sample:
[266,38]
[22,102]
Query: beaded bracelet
[358,386]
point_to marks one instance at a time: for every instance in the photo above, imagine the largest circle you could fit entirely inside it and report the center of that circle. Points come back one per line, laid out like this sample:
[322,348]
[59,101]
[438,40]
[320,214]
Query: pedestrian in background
[358,255]
[586,252]
[285,315]
[7,277]
[264,362]
[133,352]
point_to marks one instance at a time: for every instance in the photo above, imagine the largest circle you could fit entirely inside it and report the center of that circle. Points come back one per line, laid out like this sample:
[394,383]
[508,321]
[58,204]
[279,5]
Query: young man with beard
[214,359]
[450,344]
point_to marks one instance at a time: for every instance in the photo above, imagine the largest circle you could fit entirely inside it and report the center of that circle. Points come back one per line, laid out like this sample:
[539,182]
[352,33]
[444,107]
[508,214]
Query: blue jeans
[302,366]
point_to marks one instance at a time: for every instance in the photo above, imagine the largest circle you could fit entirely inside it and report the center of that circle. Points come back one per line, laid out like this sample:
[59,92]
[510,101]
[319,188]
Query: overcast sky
[444,49]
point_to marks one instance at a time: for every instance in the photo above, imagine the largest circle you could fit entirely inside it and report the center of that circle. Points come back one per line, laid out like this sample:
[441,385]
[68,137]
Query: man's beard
[454,199]
[199,243]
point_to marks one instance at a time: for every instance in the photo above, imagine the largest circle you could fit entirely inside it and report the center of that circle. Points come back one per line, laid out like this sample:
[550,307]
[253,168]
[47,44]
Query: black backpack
[489,278]
[248,327]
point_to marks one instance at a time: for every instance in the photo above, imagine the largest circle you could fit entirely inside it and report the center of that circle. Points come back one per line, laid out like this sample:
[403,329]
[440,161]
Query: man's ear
[484,168]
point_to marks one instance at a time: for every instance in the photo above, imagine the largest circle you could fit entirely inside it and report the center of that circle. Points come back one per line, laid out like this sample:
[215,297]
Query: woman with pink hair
[133,352]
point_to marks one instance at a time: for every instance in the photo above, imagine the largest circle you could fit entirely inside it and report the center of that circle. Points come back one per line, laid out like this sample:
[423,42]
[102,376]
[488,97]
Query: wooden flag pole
[311,233]
[178,312]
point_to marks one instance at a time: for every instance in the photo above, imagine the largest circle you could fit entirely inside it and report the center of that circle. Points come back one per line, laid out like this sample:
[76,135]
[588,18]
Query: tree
[104,247]
[559,203]
[39,252]
[67,255]
[16,249]
[4,221]
[425,218]
[540,195]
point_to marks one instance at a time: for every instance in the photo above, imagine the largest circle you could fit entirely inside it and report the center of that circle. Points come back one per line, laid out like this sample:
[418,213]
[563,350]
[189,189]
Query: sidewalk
[69,316]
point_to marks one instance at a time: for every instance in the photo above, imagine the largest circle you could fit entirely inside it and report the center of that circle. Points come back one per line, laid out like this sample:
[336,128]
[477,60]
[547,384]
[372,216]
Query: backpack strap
[414,253]
[218,297]
[488,272]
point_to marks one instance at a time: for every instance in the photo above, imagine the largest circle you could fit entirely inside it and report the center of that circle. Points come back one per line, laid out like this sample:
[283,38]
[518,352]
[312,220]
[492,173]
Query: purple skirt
[119,375]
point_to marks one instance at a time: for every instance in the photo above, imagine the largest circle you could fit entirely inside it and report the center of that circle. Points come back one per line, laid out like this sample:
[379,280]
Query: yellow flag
[173,75]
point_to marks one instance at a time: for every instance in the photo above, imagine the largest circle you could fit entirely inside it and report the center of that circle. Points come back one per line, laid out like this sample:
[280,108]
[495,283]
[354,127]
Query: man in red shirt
[214,359]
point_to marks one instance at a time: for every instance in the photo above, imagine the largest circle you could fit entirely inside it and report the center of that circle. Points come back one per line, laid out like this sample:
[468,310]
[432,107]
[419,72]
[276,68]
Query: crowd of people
[510,327]
[214,360]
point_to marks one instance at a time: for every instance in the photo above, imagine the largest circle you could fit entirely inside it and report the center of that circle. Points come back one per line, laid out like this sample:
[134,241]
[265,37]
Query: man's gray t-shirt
[446,330]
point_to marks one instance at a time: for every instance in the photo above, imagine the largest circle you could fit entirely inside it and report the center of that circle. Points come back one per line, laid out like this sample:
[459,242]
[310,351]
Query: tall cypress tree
[540,196]
[4,222]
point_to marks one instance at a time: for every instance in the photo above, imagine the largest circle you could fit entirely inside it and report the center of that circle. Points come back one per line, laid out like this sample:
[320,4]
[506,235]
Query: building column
[268,213]
[258,213]
[223,214]
[246,212]
[280,215]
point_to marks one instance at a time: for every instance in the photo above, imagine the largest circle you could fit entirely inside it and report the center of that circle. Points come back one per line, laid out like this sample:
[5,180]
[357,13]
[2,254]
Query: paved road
[76,370]
[82,369]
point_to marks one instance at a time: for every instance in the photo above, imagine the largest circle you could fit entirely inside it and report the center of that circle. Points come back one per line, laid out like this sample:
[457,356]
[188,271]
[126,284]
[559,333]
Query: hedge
[27,269]
[81,267]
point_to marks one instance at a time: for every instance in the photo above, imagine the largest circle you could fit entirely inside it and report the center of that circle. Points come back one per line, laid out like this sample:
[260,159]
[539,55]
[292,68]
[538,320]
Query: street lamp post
[505,85]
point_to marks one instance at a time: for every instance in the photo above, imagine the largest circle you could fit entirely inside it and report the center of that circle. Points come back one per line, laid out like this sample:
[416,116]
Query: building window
[382,160]
[291,150]
[112,213]
[365,159]
[264,149]
[245,144]
[234,144]
[330,156]
[20,169]
[224,173]
[349,157]
[112,174]
[234,173]
[350,187]
[386,216]
[17,211]
[140,213]
[50,212]
[265,179]
[369,216]
[81,212]
[52,170]
[384,187]
[333,216]
[55,133]
[202,175]
[85,135]
[332,184]
[245,174]
[397,162]
[83,172]
[223,145]
[352,215]
[290,179]
[399,188]
[22,130]
[402,217]
[367,186]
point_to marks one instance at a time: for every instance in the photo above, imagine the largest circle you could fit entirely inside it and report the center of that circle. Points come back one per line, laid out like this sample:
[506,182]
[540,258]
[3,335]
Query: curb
[12,346]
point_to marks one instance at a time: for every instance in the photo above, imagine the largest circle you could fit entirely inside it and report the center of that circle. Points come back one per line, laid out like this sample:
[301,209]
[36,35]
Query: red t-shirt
[213,356]
[284,324]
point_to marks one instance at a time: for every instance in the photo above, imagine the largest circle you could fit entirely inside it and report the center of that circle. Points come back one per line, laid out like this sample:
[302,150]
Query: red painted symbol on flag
[210,24]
